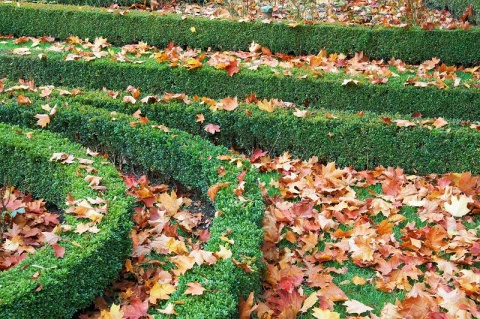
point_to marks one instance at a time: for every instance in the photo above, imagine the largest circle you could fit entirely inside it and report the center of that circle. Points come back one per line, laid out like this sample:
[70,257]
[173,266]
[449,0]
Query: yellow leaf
[265,105]
[193,30]
[325,314]
[213,190]
[309,302]
[114,313]
[224,253]
[161,291]
[359,281]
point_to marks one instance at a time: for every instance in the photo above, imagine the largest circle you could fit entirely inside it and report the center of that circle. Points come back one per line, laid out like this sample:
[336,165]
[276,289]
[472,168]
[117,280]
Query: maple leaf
[113,313]
[200,118]
[213,190]
[212,128]
[223,253]
[229,104]
[350,82]
[246,307]
[43,119]
[161,291]
[232,67]
[354,306]
[458,206]
[265,105]
[254,47]
[169,310]
[325,314]
[136,309]
[59,250]
[309,302]
[23,100]
[129,99]
[194,288]
[440,122]
[300,113]
[171,203]
[359,281]
[404,123]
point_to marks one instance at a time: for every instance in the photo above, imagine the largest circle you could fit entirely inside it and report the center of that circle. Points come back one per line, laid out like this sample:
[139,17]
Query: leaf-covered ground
[387,13]
[338,243]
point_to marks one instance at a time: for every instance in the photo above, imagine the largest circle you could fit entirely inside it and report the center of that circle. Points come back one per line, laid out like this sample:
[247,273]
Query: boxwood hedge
[192,161]
[326,91]
[91,261]
[412,45]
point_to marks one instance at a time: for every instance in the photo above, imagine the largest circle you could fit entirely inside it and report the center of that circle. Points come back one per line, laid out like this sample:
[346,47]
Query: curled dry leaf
[213,190]
[43,119]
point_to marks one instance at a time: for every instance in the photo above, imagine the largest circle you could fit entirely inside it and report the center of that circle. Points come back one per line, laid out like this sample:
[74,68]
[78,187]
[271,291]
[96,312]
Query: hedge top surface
[412,44]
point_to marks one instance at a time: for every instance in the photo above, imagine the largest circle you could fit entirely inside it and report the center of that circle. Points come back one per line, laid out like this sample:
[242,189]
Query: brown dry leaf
[194,288]
[229,104]
[309,302]
[440,122]
[213,190]
[200,118]
[404,123]
[43,119]
[300,113]
[359,281]
[246,307]
[23,100]
[265,105]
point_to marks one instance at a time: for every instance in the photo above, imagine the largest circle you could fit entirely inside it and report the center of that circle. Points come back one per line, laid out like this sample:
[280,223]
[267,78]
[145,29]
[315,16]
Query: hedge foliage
[320,92]
[91,261]
[192,161]
[347,138]
[412,45]
[344,137]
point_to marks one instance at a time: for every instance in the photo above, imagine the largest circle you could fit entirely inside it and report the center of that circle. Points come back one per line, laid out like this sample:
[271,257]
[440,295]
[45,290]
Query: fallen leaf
[212,128]
[213,190]
[229,104]
[440,122]
[194,288]
[354,306]
[43,119]
[59,250]
[458,206]
[23,100]
[246,307]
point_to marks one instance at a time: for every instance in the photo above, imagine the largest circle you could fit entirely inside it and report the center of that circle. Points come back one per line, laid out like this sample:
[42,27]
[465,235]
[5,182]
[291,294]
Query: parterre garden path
[240,159]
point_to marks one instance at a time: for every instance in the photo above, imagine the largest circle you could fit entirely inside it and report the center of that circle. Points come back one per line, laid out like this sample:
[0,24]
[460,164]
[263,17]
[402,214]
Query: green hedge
[192,161]
[359,141]
[321,92]
[412,45]
[91,261]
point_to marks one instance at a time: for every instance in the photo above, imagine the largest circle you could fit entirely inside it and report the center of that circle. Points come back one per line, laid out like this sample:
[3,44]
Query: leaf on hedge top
[194,288]
[200,118]
[213,190]
[161,291]
[224,253]
[212,128]
[43,119]
[21,51]
[404,123]
[169,310]
[350,82]
[23,100]
[354,306]
[265,105]
[59,250]
[458,206]
[232,67]
[440,122]
[129,99]
[229,104]
[300,113]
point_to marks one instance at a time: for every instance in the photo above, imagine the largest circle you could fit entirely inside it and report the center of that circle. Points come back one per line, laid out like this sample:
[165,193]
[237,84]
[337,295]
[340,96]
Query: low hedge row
[319,92]
[344,137]
[91,261]
[412,45]
[192,161]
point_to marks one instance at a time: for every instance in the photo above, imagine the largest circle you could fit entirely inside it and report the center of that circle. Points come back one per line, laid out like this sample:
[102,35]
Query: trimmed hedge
[320,92]
[412,45]
[344,137]
[359,141]
[192,161]
[91,261]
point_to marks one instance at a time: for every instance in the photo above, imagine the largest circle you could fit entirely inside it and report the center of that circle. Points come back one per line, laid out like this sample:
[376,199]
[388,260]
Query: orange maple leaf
[194,288]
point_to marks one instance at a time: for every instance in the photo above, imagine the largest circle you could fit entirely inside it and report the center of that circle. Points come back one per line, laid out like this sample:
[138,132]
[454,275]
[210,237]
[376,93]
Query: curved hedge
[91,261]
[192,161]
[412,45]
[326,91]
